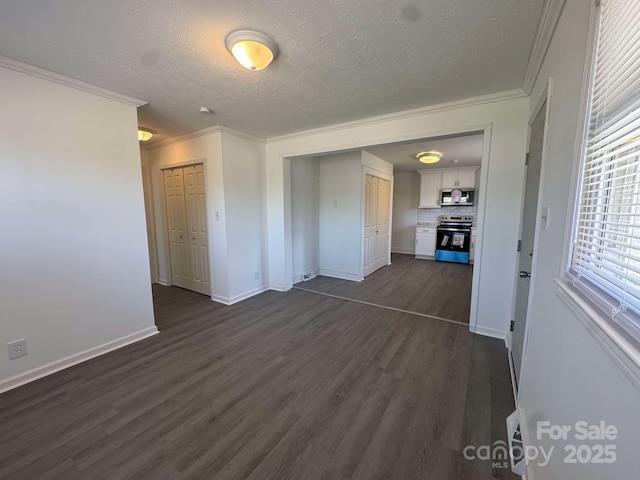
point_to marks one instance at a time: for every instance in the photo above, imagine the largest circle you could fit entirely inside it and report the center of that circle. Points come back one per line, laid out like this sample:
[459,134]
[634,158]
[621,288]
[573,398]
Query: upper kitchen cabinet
[459,178]
[433,181]
[430,186]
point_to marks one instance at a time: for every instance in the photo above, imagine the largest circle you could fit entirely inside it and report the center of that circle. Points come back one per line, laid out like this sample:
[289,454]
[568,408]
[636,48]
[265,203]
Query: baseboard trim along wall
[53,367]
[342,275]
[240,297]
[299,277]
[488,332]
[405,251]
[163,282]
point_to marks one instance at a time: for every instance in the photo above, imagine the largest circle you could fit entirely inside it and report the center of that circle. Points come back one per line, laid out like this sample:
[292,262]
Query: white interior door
[177,228]
[197,227]
[376,223]
[370,219]
[382,223]
[529,216]
[187,227]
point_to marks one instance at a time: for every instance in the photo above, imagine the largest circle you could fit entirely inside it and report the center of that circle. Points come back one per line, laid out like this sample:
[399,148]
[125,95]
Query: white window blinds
[606,251]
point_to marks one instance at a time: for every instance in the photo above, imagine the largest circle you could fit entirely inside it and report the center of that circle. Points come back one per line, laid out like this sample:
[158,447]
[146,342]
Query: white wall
[376,163]
[566,375]
[305,215]
[242,158]
[507,119]
[74,272]
[147,183]
[340,245]
[406,198]
[208,150]
[235,212]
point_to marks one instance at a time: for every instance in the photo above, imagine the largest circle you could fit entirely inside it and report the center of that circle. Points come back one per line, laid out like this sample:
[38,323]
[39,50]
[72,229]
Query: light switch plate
[545,218]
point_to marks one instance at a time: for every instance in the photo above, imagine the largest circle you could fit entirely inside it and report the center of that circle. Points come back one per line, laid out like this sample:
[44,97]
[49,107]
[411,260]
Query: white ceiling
[467,150]
[340,60]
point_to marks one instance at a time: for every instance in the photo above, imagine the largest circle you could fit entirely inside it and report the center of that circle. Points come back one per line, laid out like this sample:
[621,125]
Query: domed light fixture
[145,134]
[429,157]
[253,50]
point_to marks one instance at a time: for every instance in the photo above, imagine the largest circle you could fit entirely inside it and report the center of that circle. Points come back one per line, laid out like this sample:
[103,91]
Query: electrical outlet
[17,348]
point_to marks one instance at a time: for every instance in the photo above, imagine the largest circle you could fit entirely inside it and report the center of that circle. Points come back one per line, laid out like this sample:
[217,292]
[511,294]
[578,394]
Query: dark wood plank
[281,386]
[441,289]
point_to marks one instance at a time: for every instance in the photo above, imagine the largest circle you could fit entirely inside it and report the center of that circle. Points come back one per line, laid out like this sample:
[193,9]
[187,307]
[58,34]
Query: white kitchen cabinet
[467,178]
[450,179]
[430,186]
[459,178]
[425,242]
[472,245]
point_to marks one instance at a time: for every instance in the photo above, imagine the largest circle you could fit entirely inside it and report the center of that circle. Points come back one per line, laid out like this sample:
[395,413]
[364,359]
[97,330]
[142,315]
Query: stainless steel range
[454,238]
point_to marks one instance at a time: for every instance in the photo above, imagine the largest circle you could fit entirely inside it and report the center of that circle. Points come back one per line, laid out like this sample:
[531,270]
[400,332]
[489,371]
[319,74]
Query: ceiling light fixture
[145,134]
[429,157]
[253,50]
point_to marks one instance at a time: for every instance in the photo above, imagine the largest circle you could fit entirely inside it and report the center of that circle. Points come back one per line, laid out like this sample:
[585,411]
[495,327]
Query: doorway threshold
[386,307]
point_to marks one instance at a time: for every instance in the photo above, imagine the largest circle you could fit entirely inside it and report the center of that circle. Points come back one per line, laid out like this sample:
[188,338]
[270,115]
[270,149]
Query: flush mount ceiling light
[145,134]
[253,50]
[429,157]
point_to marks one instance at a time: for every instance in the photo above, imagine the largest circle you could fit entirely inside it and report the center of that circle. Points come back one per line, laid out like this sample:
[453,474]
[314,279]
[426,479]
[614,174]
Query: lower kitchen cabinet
[425,242]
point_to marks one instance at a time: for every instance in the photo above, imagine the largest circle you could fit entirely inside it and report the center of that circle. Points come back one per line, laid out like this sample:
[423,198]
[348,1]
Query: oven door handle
[453,229]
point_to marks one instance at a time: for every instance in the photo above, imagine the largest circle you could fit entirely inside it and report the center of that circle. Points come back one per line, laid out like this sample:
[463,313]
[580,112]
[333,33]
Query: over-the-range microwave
[457,197]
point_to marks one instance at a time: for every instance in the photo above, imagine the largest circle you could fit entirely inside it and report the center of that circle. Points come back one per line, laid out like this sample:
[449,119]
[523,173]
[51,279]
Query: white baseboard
[221,299]
[163,281]
[425,257]
[300,276]
[342,275]
[53,367]
[250,293]
[240,297]
[488,332]
[405,251]
[277,288]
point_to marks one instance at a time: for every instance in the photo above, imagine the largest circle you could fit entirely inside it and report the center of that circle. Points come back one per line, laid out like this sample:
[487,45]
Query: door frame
[545,98]
[165,218]
[374,173]
[483,128]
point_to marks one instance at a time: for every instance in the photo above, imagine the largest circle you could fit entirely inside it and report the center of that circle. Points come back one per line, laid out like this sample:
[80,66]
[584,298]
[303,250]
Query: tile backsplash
[430,215]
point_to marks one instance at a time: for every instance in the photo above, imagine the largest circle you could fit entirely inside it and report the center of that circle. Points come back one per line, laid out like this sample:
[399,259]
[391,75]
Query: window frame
[589,301]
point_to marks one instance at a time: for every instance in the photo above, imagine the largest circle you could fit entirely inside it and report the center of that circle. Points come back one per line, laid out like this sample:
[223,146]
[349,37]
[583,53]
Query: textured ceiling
[462,151]
[340,60]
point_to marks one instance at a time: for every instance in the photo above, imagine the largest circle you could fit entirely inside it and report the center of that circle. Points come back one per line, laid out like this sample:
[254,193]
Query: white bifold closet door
[187,227]
[376,224]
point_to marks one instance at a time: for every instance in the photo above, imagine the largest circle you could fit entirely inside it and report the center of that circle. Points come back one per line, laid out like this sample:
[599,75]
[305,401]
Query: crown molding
[34,71]
[441,107]
[551,13]
[201,133]
[239,134]
[183,138]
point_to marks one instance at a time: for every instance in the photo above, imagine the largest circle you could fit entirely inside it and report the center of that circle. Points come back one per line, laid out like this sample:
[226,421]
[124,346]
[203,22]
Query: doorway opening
[186,227]
[383,236]
[533,219]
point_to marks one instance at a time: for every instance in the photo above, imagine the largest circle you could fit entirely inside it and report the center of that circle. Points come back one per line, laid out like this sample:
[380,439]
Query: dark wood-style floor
[284,385]
[442,289]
